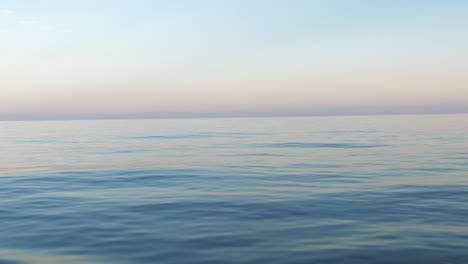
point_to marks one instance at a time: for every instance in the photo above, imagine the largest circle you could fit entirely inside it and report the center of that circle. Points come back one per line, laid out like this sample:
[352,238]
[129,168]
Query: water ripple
[197,135]
[318,145]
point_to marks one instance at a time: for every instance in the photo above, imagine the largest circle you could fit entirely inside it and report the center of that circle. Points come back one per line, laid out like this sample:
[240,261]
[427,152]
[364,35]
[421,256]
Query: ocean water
[368,189]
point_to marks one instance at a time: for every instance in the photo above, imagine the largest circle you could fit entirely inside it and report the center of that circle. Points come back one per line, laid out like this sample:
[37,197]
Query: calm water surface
[388,189]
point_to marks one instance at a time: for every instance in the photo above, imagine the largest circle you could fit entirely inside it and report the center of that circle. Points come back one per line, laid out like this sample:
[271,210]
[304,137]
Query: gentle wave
[40,141]
[197,135]
[318,145]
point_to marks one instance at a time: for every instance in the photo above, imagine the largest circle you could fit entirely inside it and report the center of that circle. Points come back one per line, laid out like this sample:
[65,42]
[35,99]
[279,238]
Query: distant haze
[64,59]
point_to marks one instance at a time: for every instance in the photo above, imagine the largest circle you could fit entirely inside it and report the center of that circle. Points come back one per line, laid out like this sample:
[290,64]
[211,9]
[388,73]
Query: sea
[332,190]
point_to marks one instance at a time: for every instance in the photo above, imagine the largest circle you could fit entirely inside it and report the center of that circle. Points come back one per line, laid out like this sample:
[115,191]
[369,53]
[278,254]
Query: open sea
[362,189]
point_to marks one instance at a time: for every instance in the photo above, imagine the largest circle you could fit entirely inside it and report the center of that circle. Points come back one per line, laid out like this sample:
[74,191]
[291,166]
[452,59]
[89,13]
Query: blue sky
[111,58]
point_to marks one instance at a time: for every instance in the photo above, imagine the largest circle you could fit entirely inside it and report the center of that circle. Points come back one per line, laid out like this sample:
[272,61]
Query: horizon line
[234,116]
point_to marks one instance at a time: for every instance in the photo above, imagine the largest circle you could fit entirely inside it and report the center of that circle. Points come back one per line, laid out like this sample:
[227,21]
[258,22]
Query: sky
[67,59]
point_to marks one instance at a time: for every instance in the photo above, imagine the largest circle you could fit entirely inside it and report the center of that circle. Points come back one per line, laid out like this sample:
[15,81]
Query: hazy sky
[142,58]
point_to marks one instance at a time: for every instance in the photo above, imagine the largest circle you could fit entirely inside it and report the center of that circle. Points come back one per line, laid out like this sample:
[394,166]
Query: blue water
[375,189]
